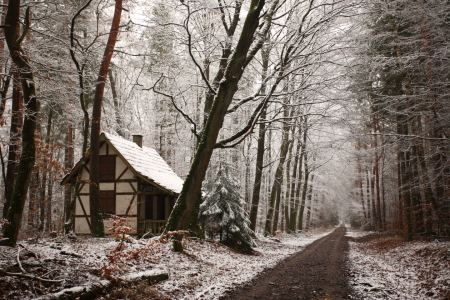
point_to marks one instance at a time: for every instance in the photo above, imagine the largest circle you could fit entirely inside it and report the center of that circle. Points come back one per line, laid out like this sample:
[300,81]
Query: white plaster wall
[102,150]
[78,209]
[81,225]
[124,187]
[107,186]
[85,188]
[120,167]
[85,174]
[122,203]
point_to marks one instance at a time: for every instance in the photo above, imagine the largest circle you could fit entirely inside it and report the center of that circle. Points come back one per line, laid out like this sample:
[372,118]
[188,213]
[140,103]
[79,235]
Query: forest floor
[309,265]
[69,267]
[386,266]
[317,272]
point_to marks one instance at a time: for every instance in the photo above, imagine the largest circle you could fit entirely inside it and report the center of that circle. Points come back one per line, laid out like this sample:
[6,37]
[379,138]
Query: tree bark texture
[15,136]
[376,167]
[120,127]
[70,222]
[286,129]
[185,212]
[275,195]
[69,161]
[309,202]
[260,150]
[13,40]
[305,183]
[33,200]
[298,162]
[405,173]
[94,187]
[288,185]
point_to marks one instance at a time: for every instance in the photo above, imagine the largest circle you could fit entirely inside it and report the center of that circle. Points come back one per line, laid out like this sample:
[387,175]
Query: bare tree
[97,227]
[14,39]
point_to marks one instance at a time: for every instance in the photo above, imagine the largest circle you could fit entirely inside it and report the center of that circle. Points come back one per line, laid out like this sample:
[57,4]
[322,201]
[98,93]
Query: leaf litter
[388,267]
[206,270]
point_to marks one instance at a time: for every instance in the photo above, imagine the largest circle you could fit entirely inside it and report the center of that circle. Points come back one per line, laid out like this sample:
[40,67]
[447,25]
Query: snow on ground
[204,271]
[387,267]
[212,269]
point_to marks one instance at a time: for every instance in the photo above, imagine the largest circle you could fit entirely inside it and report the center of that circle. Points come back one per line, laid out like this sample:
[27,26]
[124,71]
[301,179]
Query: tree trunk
[275,195]
[42,199]
[48,173]
[261,149]
[429,195]
[248,189]
[68,226]
[27,158]
[434,125]
[304,190]
[69,161]
[224,59]
[405,174]
[33,200]
[296,184]
[94,187]
[5,79]
[185,212]
[416,197]
[285,147]
[309,202]
[117,112]
[376,168]
[44,209]
[288,184]
[305,184]
[359,181]
[15,135]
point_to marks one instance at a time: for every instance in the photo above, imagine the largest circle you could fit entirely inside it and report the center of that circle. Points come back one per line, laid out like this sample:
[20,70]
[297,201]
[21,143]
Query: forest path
[317,272]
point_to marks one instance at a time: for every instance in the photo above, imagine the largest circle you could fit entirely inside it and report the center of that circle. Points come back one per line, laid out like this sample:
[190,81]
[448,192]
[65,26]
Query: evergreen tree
[222,211]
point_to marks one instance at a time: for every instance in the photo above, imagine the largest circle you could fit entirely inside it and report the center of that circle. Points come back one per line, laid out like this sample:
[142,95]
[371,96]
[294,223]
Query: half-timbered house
[135,182]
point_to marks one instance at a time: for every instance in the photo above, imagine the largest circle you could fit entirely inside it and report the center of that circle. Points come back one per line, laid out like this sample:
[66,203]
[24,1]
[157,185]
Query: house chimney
[137,138]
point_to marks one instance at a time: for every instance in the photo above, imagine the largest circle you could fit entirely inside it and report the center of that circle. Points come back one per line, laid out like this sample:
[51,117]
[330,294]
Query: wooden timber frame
[144,203]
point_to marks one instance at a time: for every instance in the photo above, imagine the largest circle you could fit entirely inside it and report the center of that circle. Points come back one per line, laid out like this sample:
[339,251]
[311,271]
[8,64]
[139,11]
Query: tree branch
[25,29]
[5,273]
[185,116]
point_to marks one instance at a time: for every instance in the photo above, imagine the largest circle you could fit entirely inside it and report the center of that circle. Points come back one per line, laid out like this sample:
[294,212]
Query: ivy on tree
[222,211]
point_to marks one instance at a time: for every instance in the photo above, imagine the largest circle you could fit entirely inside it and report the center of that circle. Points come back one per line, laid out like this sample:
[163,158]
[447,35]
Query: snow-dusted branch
[185,116]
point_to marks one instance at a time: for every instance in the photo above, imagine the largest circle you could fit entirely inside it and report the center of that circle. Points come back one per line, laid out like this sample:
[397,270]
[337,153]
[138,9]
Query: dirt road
[317,272]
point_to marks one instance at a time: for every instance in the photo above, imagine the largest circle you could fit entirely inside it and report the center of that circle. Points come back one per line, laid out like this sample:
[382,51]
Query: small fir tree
[222,211]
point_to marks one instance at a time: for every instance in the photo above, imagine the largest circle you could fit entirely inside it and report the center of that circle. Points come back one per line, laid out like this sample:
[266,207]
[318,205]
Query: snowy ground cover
[388,267]
[204,271]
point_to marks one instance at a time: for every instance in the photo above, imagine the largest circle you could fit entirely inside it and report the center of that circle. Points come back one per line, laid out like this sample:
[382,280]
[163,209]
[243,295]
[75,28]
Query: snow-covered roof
[146,162]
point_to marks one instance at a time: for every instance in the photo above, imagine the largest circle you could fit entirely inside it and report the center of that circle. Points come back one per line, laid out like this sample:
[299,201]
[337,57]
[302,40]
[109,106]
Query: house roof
[145,162]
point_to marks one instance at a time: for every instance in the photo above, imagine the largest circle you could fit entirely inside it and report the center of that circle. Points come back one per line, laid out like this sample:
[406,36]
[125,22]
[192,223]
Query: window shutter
[108,202]
[107,166]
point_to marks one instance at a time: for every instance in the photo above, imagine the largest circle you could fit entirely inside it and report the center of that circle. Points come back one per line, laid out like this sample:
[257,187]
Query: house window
[108,202]
[107,167]
[155,207]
